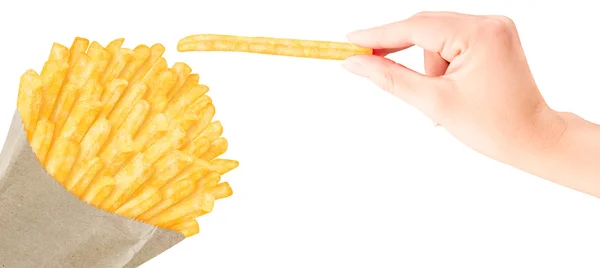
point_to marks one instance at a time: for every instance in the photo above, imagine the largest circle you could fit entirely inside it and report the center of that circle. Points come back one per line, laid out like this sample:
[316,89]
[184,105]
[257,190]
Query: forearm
[572,159]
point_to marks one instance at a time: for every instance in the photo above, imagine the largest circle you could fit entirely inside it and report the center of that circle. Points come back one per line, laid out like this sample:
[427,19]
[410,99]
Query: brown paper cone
[44,225]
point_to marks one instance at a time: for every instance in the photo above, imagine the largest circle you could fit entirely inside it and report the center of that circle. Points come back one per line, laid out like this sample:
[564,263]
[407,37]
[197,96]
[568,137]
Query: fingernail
[353,66]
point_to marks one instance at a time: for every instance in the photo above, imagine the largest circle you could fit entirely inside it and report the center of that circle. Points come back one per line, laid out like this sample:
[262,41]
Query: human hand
[477,83]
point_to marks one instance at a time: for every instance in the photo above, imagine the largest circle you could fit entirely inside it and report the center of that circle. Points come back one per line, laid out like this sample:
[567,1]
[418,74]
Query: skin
[479,87]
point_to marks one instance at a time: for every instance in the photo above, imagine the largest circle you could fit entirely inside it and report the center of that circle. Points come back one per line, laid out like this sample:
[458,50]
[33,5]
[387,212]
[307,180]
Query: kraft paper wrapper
[43,225]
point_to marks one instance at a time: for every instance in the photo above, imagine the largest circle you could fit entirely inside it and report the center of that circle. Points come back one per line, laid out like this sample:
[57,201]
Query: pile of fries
[127,134]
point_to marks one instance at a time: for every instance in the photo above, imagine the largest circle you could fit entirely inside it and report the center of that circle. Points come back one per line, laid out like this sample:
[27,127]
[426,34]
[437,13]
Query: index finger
[430,31]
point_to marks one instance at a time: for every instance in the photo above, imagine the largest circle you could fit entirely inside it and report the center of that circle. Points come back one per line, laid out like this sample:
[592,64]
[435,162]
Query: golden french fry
[59,53]
[197,201]
[29,100]
[156,52]
[183,99]
[95,138]
[77,49]
[217,148]
[128,179]
[187,228]
[197,147]
[213,131]
[79,120]
[114,46]
[223,165]
[192,114]
[191,81]
[170,141]
[168,167]
[222,190]
[81,71]
[123,107]
[146,199]
[182,71]
[116,150]
[151,78]
[60,158]
[163,83]
[138,57]
[42,137]
[207,113]
[116,66]
[272,46]
[112,94]
[155,126]
[100,57]
[170,196]
[92,90]
[63,106]
[132,124]
[53,75]
[81,178]
[97,192]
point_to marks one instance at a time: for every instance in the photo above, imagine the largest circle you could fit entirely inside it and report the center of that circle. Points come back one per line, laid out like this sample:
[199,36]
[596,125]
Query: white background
[334,172]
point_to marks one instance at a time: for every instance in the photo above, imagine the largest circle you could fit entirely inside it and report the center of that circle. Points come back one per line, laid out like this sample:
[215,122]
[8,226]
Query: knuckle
[497,27]
[388,82]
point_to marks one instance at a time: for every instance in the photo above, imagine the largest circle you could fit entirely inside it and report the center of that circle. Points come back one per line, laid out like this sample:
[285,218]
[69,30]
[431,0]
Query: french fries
[127,134]
[272,46]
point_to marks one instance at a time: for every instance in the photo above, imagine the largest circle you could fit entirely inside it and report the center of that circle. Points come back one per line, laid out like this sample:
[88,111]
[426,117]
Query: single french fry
[192,114]
[61,158]
[80,119]
[197,147]
[222,190]
[170,141]
[138,57]
[81,71]
[207,113]
[272,46]
[184,99]
[100,57]
[97,192]
[217,148]
[112,94]
[29,100]
[148,198]
[128,179]
[168,167]
[123,107]
[187,228]
[143,206]
[213,131]
[42,137]
[63,106]
[59,53]
[223,165]
[77,49]
[95,139]
[52,75]
[170,196]
[81,178]
[116,150]
[182,71]
[198,170]
[156,52]
[197,201]
[155,125]
[116,66]
[191,81]
[114,46]
[151,78]
[163,84]
[132,124]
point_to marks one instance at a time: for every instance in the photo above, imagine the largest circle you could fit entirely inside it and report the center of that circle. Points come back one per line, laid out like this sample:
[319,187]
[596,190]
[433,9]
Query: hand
[478,86]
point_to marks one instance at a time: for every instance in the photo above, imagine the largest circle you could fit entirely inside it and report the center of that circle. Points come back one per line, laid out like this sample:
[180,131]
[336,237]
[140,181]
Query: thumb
[417,90]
